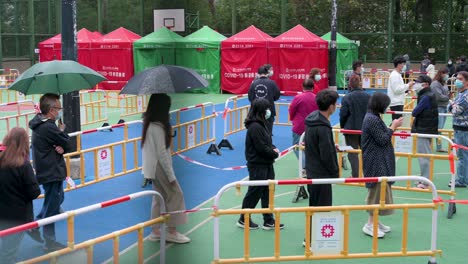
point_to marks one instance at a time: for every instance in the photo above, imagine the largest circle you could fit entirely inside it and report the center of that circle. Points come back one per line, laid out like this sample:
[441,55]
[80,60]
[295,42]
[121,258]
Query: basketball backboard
[173,19]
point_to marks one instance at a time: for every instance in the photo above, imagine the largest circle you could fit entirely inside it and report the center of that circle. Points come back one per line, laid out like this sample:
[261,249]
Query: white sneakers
[177,238]
[368,229]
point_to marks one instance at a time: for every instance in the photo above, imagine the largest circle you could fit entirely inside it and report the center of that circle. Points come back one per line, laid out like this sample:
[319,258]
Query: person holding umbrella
[157,166]
[49,143]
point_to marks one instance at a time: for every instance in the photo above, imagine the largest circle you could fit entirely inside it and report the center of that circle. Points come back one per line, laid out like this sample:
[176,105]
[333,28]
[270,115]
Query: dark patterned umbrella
[164,79]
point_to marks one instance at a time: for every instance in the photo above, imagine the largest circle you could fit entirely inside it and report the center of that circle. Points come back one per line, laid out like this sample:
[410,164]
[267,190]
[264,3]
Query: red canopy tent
[47,49]
[113,55]
[241,56]
[293,54]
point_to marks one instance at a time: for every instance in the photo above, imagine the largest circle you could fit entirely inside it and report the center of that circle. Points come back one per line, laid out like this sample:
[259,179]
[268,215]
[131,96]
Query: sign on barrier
[104,162]
[327,233]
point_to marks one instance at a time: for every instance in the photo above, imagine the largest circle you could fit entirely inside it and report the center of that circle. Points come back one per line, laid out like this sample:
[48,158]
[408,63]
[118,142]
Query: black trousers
[355,142]
[256,193]
[396,108]
[320,194]
[270,122]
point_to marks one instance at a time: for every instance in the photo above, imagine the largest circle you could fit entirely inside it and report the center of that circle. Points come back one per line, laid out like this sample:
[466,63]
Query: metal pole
[142,15]
[332,55]
[71,101]
[234,17]
[391,5]
[99,12]
[284,12]
[448,29]
[32,40]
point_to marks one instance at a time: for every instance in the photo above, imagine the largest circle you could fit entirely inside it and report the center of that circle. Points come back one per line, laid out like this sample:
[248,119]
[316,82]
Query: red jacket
[301,106]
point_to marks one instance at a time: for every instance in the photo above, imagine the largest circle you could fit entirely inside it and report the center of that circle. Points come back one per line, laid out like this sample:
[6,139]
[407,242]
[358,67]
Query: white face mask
[267,114]
[317,77]
[404,68]
[362,70]
[418,87]
[270,73]
[449,62]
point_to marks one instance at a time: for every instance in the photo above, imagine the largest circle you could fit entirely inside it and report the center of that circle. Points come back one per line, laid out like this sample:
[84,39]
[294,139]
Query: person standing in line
[450,67]
[301,106]
[431,71]
[358,70]
[440,89]
[353,110]
[157,166]
[396,87]
[407,69]
[425,122]
[49,143]
[266,88]
[424,63]
[378,157]
[18,188]
[320,149]
[462,65]
[459,110]
[316,76]
[260,154]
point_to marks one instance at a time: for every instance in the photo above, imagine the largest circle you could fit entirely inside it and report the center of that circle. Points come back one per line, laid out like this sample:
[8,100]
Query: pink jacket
[301,106]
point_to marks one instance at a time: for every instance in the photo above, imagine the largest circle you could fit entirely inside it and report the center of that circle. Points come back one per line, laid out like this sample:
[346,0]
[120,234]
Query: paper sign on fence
[104,162]
[327,233]
[191,135]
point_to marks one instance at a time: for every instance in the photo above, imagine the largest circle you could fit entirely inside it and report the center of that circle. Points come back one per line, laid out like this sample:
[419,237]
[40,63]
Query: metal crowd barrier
[339,222]
[70,217]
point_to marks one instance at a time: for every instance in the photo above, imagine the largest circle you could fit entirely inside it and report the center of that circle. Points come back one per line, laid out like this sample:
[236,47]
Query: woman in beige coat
[157,166]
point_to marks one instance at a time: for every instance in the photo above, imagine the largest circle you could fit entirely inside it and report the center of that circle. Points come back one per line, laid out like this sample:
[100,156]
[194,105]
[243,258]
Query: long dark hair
[378,103]
[17,148]
[158,111]
[257,111]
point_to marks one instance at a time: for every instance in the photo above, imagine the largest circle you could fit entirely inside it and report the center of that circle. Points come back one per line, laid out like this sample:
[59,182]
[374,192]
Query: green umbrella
[57,77]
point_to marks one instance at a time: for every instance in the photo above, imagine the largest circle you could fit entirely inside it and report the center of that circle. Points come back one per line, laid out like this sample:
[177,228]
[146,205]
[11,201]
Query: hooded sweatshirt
[321,160]
[259,148]
[49,165]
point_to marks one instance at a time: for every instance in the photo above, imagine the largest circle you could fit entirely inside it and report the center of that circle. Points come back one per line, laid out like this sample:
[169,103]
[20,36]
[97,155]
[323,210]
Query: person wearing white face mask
[358,70]
[396,88]
[260,154]
[450,67]
[316,77]
[440,89]
[425,122]
[49,143]
[431,71]
[459,109]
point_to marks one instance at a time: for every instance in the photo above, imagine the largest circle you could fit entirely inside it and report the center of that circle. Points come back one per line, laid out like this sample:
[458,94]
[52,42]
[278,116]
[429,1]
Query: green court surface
[452,232]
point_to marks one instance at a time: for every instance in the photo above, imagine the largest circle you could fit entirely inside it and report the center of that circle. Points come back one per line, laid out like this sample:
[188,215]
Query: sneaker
[252,225]
[52,245]
[304,174]
[421,185]
[384,228]
[35,234]
[368,229]
[177,238]
[154,237]
[271,226]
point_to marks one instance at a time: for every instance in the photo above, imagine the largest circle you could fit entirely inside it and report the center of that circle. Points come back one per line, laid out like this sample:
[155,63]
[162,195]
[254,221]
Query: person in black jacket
[352,112]
[426,121]
[260,154]
[263,87]
[18,188]
[49,143]
[320,150]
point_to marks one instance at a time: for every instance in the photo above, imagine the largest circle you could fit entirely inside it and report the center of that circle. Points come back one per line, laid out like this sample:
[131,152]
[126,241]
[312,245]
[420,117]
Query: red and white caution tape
[280,156]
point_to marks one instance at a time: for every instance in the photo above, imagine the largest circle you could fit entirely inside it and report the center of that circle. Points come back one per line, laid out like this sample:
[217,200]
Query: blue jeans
[53,198]
[9,247]
[461,138]
[442,110]
[295,141]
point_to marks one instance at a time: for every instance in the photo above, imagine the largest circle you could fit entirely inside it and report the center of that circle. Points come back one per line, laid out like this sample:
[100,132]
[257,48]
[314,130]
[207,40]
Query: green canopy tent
[201,52]
[155,49]
[347,52]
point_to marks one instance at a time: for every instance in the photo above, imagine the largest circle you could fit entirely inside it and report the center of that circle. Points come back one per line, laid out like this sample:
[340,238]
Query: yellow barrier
[341,246]
[17,114]
[7,77]
[93,107]
[89,245]
[133,105]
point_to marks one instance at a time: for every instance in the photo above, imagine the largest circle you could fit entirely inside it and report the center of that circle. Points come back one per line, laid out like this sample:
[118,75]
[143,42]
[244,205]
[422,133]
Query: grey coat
[441,92]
